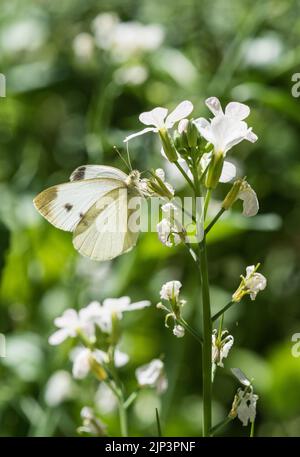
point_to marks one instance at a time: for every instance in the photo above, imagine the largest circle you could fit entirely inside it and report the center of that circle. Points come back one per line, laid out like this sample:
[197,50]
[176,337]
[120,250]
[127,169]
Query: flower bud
[97,369]
[168,145]
[232,194]
[215,170]
[189,134]
[192,134]
[159,186]
[115,329]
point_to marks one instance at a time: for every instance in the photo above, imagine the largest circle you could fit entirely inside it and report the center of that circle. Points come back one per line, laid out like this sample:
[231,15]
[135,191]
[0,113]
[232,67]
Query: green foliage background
[61,112]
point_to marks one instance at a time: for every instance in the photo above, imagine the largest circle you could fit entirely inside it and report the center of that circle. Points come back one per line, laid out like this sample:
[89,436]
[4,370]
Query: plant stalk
[207,342]
[123,416]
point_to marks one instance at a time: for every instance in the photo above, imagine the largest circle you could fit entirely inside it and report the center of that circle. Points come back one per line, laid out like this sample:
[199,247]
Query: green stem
[184,174]
[193,332]
[222,311]
[214,220]
[128,402]
[206,347]
[252,429]
[123,416]
[158,423]
[220,425]
[206,202]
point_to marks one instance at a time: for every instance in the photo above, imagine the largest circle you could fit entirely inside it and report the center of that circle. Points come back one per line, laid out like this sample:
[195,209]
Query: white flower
[170,290]
[82,358]
[251,284]
[91,424]
[170,230]
[105,399]
[133,75]
[249,199]
[167,233]
[254,281]
[103,27]
[246,409]
[83,46]
[116,307]
[178,331]
[70,323]
[81,362]
[58,388]
[227,129]
[221,347]
[152,375]
[125,40]
[159,119]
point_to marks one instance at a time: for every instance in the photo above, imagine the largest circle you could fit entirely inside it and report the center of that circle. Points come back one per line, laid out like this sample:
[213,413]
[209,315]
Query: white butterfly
[94,206]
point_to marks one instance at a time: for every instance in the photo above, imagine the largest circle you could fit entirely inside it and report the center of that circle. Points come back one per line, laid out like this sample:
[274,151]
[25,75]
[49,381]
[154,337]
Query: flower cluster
[197,148]
[97,330]
[124,44]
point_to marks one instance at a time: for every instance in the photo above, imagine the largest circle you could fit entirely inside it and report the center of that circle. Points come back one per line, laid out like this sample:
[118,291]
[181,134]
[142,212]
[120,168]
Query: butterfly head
[133,179]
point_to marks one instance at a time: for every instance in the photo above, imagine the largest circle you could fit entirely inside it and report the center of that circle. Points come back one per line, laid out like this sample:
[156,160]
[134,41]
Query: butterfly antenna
[128,165]
[128,156]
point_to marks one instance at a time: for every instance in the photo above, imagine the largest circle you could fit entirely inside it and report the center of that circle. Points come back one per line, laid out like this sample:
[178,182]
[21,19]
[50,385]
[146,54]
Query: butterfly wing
[103,233]
[66,204]
[97,171]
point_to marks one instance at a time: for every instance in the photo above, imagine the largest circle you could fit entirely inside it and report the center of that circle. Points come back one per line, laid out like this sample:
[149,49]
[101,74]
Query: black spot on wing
[68,206]
[78,174]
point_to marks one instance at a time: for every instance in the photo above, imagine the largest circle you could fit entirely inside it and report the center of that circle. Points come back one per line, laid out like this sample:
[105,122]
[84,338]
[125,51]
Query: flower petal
[205,129]
[228,172]
[154,117]
[251,136]
[68,319]
[237,110]
[249,270]
[121,358]
[81,365]
[240,376]
[138,305]
[141,132]
[58,337]
[250,201]
[214,105]
[180,112]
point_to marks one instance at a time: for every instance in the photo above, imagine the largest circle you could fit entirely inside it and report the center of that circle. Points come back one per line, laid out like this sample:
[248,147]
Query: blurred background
[78,73]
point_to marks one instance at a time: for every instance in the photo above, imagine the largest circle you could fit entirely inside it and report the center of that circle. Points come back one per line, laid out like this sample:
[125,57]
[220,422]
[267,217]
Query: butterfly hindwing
[104,233]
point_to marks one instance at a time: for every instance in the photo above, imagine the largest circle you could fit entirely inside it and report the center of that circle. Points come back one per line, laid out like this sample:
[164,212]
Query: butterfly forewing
[97,171]
[65,205]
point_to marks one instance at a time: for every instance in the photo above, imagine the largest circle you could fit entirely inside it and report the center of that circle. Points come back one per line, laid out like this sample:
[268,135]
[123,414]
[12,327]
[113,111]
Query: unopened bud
[168,145]
[97,369]
[232,194]
[215,170]
[189,134]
